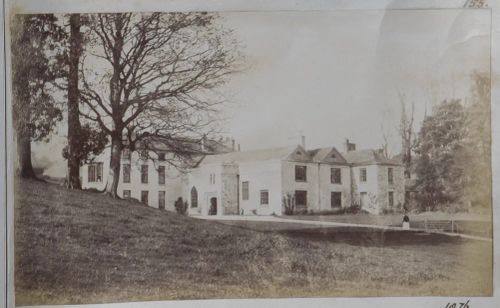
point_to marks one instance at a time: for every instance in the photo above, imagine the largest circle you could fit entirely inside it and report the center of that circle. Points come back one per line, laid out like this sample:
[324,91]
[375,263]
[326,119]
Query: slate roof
[323,155]
[248,156]
[368,157]
[185,145]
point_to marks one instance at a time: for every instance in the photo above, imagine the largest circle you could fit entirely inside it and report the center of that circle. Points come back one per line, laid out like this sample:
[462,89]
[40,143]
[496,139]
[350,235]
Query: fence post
[425,223]
[451,225]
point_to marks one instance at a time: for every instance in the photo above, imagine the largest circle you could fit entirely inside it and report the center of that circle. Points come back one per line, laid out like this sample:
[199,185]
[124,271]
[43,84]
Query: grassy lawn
[82,247]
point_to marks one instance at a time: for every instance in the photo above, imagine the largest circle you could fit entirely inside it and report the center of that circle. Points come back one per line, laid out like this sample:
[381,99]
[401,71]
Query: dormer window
[161,156]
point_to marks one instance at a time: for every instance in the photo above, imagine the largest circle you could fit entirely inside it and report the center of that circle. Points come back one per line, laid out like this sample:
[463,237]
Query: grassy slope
[82,247]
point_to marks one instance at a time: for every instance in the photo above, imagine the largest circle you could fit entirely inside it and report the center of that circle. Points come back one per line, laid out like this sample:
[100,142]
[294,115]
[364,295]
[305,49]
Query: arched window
[194,197]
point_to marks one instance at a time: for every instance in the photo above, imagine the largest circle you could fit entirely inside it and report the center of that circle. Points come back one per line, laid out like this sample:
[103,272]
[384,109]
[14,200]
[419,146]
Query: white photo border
[65,6]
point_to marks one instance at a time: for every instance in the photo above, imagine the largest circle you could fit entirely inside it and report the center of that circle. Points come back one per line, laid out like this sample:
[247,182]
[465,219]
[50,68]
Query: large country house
[258,182]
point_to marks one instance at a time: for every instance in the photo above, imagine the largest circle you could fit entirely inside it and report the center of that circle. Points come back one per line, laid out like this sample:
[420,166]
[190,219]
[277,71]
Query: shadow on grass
[370,237]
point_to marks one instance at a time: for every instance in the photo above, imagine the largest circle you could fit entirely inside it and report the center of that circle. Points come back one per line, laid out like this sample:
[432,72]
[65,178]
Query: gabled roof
[369,157]
[253,155]
[297,153]
[327,155]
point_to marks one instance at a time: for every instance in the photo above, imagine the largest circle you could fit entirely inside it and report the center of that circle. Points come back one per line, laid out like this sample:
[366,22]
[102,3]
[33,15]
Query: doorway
[363,200]
[212,210]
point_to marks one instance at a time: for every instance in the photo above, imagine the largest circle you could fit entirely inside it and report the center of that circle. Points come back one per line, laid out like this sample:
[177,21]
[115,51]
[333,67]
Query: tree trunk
[24,156]
[23,133]
[115,96]
[74,125]
[114,165]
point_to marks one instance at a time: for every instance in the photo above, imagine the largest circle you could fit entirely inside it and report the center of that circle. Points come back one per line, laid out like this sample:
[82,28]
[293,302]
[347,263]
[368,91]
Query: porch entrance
[212,210]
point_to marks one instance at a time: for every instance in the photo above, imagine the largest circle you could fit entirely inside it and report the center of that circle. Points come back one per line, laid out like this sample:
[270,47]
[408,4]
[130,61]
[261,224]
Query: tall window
[126,194]
[212,178]
[144,196]
[336,199]
[300,173]
[194,197]
[94,172]
[126,173]
[301,197]
[391,199]
[161,200]
[245,192]
[362,175]
[390,175]
[126,154]
[335,176]
[161,175]
[144,174]
[264,197]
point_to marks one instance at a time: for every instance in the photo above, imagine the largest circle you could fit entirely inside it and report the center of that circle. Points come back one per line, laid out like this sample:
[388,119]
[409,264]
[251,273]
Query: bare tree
[407,134]
[385,128]
[152,77]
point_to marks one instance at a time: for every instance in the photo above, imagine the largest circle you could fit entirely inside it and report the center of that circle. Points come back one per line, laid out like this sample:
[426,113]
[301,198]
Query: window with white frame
[245,193]
[161,175]
[264,197]
[94,172]
[335,176]
[144,174]
[126,173]
[362,175]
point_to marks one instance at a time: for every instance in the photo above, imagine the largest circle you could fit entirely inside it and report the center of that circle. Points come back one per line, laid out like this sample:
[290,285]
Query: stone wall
[229,192]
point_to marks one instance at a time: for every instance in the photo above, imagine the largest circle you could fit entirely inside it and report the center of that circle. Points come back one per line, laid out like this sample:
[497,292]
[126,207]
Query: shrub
[353,209]
[181,206]
[386,211]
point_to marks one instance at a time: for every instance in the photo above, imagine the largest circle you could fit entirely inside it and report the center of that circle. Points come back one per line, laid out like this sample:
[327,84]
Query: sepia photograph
[187,155]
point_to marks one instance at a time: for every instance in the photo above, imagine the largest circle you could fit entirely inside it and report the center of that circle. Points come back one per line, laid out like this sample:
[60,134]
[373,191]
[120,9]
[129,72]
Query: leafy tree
[149,76]
[478,143]
[91,142]
[440,147]
[37,61]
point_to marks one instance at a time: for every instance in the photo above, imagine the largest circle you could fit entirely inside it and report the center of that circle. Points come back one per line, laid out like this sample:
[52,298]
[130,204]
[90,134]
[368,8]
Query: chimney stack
[233,144]
[239,148]
[303,141]
[348,146]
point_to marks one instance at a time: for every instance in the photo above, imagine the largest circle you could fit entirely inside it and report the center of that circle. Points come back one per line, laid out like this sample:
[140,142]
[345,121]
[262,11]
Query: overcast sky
[335,75]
